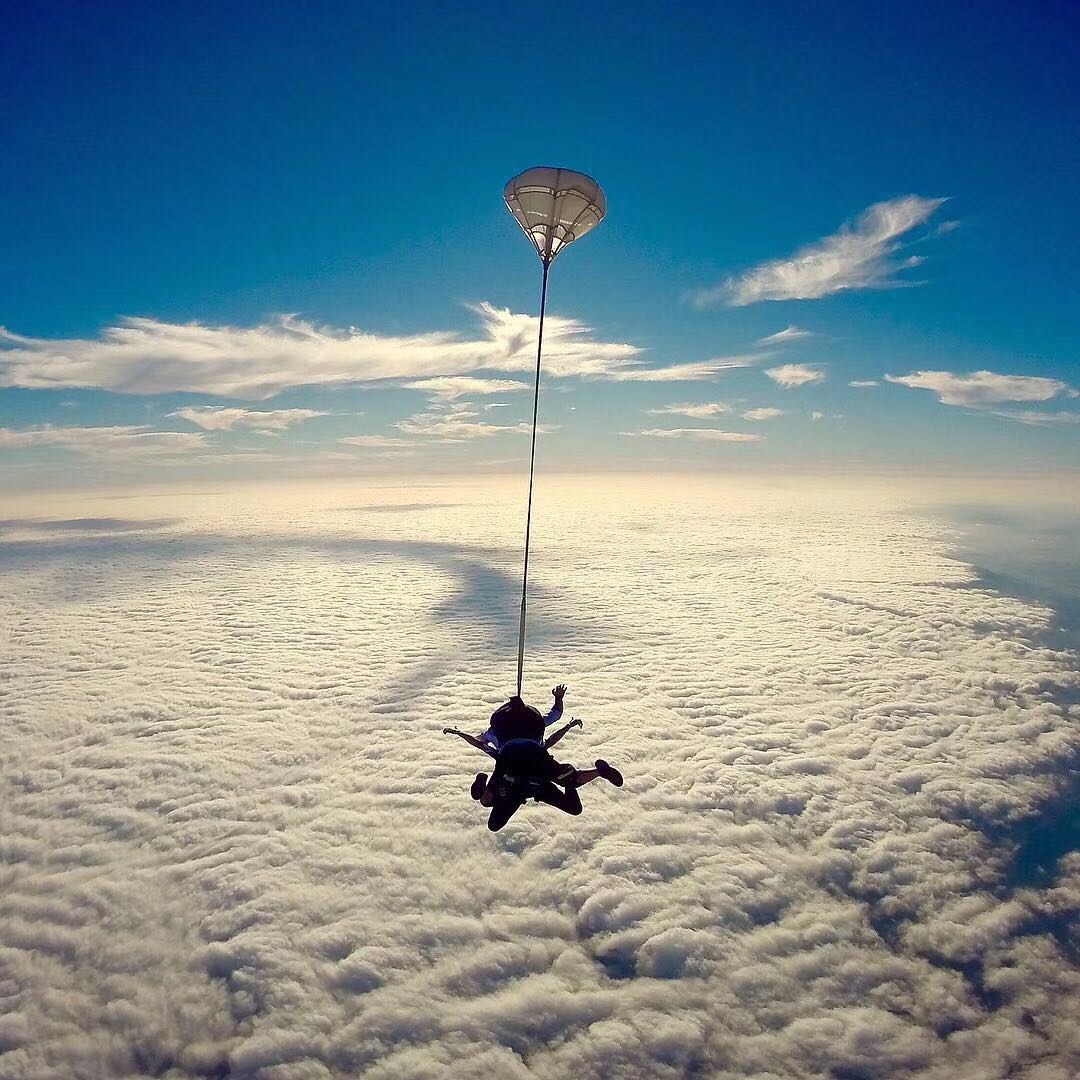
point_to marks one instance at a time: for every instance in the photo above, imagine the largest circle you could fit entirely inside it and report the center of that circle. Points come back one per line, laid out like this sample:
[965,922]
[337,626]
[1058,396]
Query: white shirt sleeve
[554,716]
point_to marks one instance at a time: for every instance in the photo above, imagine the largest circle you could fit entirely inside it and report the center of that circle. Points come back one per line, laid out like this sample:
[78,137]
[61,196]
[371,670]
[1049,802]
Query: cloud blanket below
[236,842]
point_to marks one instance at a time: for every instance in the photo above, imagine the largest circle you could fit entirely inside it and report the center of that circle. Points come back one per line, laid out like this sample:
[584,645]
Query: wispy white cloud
[792,333]
[124,441]
[859,256]
[862,384]
[509,344]
[221,418]
[702,434]
[1038,419]
[457,421]
[240,456]
[791,375]
[570,351]
[695,411]
[817,415]
[148,356]
[695,371]
[983,387]
[378,442]
[451,387]
[763,414]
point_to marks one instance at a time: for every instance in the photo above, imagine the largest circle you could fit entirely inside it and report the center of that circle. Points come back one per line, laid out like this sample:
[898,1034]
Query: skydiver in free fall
[523,767]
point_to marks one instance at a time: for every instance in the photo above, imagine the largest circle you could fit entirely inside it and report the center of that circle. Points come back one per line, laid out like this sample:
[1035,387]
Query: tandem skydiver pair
[523,767]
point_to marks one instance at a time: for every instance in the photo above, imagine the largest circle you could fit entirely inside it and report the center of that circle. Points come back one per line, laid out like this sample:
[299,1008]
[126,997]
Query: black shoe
[609,773]
[478,785]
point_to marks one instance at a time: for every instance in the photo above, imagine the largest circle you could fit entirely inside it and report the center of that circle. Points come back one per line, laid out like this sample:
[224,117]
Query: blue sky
[344,165]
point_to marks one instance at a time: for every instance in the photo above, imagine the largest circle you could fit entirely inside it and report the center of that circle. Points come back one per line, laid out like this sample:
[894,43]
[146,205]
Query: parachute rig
[554,207]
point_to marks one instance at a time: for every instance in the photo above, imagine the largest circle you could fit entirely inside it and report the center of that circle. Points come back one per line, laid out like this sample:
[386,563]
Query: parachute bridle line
[532,469]
[553,207]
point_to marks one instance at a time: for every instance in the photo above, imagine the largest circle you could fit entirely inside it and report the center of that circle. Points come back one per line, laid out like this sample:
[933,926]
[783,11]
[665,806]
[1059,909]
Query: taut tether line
[554,207]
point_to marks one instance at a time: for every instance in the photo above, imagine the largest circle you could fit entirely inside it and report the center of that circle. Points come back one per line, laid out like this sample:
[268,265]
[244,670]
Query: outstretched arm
[552,739]
[555,714]
[470,740]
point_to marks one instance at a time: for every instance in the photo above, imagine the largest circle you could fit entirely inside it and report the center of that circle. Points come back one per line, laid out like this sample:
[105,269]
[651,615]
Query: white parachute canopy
[555,207]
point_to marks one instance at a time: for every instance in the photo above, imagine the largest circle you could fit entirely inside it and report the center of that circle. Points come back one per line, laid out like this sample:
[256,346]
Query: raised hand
[559,691]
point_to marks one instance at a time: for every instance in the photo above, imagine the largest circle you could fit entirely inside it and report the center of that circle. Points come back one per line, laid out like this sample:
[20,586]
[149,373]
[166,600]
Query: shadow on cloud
[484,602]
[89,524]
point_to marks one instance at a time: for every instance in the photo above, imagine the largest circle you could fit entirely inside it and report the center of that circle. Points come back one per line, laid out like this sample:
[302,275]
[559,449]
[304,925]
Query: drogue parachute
[554,207]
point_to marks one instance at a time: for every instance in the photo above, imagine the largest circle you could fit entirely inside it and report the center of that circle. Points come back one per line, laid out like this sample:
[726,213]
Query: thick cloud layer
[235,841]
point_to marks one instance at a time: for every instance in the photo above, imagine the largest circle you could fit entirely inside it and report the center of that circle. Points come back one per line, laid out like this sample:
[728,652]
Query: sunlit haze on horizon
[805,543]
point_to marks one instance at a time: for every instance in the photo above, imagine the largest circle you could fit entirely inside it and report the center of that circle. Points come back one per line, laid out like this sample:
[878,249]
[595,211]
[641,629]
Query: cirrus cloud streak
[148,356]
[700,434]
[118,441]
[859,256]
[221,418]
[696,411]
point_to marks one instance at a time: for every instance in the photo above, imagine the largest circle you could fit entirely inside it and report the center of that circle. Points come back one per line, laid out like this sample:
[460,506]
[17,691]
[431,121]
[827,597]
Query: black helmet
[516,719]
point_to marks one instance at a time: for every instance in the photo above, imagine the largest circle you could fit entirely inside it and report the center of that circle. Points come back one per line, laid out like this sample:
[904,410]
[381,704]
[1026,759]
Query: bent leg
[479,785]
[502,810]
[568,801]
